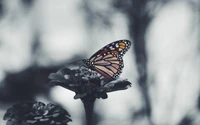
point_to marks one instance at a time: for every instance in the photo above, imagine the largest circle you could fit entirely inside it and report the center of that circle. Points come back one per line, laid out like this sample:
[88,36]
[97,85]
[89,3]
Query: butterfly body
[108,61]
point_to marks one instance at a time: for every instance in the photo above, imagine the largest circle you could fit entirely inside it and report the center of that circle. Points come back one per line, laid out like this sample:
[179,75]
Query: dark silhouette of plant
[87,85]
[36,113]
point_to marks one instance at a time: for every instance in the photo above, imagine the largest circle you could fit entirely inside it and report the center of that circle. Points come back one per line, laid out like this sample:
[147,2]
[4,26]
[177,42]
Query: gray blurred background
[38,37]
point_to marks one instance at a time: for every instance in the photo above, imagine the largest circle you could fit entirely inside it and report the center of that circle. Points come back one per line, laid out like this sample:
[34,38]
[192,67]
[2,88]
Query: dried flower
[86,83]
[36,113]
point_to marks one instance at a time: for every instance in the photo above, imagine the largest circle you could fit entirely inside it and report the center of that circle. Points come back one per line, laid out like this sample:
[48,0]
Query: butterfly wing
[119,47]
[108,60]
[109,65]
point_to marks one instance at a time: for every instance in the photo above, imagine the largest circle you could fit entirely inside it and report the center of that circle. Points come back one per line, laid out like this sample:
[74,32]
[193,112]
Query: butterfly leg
[80,66]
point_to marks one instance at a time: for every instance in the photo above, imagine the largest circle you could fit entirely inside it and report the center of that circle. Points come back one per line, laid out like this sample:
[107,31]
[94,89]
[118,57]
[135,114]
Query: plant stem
[88,106]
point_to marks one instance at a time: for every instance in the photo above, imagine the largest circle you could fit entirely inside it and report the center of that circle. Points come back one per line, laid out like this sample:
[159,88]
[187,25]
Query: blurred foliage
[25,85]
[186,121]
[198,102]
[1,9]
[28,3]
[139,19]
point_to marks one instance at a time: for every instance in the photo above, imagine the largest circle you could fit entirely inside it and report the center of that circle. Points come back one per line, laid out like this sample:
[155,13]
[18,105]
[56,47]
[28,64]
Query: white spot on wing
[117,45]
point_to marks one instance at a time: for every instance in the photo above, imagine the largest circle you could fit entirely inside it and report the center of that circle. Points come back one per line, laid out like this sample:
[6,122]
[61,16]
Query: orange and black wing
[119,47]
[108,60]
[109,65]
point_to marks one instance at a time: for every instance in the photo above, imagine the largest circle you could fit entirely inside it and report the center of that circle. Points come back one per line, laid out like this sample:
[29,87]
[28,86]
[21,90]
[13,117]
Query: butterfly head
[86,63]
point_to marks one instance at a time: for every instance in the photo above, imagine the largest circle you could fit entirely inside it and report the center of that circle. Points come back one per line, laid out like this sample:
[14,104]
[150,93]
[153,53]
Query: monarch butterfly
[108,61]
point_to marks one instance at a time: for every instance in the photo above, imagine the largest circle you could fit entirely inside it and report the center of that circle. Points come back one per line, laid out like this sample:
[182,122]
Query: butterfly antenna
[74,62]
